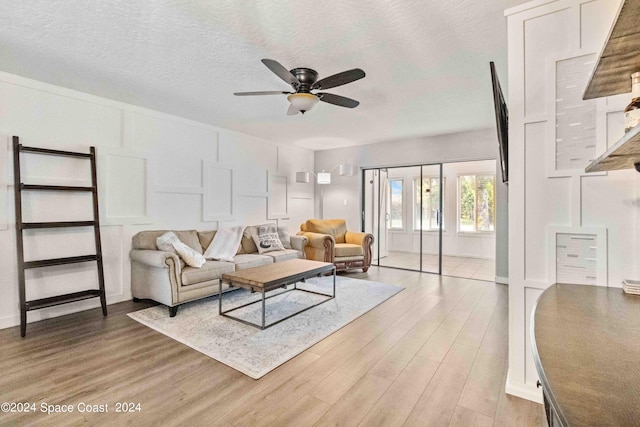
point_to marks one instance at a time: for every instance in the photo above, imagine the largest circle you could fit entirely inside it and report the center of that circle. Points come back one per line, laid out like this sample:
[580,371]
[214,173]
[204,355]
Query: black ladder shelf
[20,226]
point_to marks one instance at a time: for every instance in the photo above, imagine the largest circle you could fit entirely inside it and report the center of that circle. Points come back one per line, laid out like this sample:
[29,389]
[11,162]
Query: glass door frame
[439,218]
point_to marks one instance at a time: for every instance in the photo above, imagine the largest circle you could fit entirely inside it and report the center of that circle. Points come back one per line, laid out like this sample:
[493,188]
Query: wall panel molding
[124,186]
[5,149]
[218,199]
[302,196]
[256,194]
[278,199]
[177,189]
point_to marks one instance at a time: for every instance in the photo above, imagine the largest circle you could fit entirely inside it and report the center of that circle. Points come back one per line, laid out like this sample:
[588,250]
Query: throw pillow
[189,255]
[268,242]
[166,241]
[283,234]
[225,244]
[267,229]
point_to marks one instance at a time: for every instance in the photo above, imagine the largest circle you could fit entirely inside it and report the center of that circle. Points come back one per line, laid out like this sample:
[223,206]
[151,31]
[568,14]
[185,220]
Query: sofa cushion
[348,249]
[284,255]
[147,239]
[334,227]
[211,270]
[205,238]
[243,261]
[248,244]
[165,242]
[285,238]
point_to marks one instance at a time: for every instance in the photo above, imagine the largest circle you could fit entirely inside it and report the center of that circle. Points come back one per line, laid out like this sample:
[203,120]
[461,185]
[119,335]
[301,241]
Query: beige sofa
[165,278]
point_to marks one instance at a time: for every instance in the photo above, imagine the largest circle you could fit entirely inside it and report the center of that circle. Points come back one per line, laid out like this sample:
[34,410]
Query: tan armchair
[329,241]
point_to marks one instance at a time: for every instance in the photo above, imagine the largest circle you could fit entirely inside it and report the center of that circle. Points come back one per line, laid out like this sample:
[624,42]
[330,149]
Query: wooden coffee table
[273,276]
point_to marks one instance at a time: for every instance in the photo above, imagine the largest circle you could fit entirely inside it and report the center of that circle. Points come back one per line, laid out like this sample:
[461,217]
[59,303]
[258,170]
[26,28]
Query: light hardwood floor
[433,355]
[456,266]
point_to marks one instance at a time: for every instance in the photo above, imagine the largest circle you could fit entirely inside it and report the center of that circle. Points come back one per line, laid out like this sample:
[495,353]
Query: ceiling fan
[305,80]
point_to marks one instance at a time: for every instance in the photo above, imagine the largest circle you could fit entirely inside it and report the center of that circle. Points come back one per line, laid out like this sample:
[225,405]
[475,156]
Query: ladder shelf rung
[59,261]
[61,299]
[54,187]
[37,150]
[57,224]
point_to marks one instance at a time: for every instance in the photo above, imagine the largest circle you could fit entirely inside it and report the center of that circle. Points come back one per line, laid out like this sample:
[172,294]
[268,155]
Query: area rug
[256,352]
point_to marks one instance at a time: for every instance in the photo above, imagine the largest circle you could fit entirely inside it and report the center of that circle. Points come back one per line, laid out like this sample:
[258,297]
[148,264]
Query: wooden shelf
[61,299]
[38,150]
[59,261]
[57,224]
[19,187]
[54,187]
[620,55]
[622,155]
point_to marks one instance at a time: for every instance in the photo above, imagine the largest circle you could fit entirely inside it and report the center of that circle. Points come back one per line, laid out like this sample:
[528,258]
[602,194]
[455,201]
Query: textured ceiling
[426,61]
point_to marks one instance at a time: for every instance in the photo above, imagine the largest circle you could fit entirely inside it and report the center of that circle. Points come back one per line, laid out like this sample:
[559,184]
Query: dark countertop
[586,346]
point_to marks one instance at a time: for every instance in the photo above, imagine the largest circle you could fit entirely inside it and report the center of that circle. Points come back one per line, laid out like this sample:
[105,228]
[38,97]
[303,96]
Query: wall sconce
[303,176]
[345,169]
[324,177]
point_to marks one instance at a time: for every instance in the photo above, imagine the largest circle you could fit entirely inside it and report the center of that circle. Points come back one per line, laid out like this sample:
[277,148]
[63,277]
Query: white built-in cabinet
[565,225]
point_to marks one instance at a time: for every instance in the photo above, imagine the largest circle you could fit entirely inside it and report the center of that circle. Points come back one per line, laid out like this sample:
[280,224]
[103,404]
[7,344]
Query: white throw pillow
[189,255]
[166,241]
[268,242]
[225,244]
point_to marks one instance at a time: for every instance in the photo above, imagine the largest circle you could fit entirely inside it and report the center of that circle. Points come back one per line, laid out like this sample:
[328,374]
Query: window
[396,220]
[429,212]
[476,203]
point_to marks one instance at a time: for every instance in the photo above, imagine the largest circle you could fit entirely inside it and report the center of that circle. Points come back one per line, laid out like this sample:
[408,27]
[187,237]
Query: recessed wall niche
[575,130]
[579,255]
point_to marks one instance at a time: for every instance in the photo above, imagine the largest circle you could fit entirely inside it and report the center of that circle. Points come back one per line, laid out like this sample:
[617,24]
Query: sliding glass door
[428,217]
[402,208]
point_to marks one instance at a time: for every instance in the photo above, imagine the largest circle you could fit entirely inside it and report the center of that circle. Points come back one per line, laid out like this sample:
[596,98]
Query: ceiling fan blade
[292,111]
[341,101]
[339,79]
[281,72]
[265,92]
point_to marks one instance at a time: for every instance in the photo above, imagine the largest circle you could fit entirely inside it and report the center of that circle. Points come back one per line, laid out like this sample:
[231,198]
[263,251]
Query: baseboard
[59,310]
[502,280]
[523,391]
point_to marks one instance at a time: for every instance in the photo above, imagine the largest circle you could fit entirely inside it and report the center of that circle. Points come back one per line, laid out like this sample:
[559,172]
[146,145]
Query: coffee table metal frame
[281,283]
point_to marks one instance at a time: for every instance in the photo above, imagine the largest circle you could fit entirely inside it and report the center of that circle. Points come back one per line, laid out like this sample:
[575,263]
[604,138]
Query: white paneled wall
[155,171]
[564,225]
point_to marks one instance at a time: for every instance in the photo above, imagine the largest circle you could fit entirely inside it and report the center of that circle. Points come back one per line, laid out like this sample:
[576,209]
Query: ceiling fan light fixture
[302,101]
